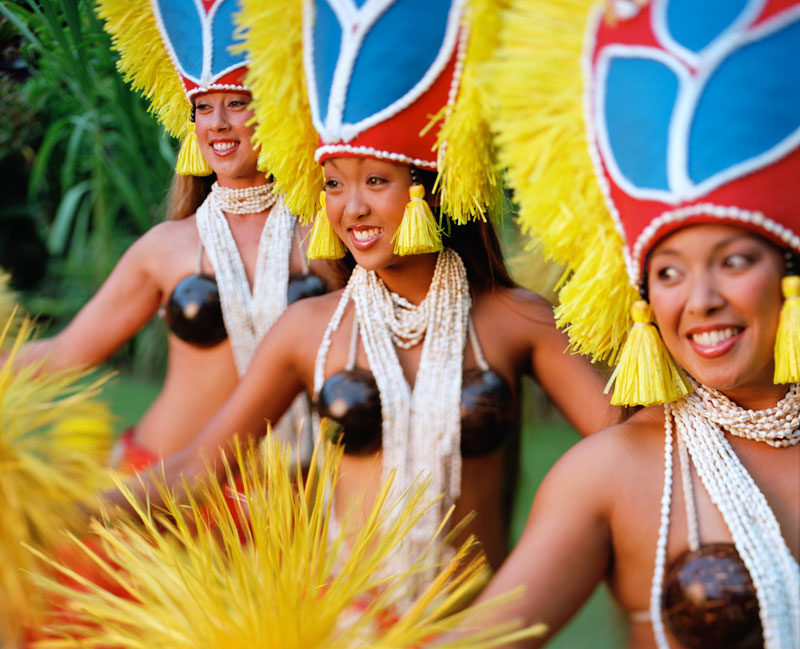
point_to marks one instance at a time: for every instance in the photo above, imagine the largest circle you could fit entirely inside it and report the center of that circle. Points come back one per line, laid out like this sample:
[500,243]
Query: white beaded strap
[477,350]
[303,260]
[325,343]
[199,258]
[692,522]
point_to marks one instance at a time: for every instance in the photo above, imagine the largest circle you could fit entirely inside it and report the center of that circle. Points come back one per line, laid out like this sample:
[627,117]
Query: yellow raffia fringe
[144,61]
[190,160]
[468,179]
[54,442]
[537,83]
[324,243]
[418,232]
[9,311]
[291,584]
[787,340]
[646,373]
[273,38]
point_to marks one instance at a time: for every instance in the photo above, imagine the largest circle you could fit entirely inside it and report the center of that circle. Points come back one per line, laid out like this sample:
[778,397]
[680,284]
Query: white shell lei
[249,315]
[700,420]
[421,428]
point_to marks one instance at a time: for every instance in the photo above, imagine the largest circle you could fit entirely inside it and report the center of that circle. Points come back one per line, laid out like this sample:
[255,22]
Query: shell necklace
[700,422]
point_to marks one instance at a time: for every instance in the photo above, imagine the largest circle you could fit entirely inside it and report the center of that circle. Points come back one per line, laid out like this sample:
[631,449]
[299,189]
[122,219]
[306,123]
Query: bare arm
[124,304]
[273,380]
[570,380]
[565,549]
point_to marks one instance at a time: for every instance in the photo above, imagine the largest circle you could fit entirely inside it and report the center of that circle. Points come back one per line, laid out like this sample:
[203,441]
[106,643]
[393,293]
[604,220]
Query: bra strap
[199,257]
[692,528]
[303,253]
[477,351]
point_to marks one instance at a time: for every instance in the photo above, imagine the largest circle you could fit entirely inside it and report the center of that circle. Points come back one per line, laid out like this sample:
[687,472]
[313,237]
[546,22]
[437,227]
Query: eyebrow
[717,247]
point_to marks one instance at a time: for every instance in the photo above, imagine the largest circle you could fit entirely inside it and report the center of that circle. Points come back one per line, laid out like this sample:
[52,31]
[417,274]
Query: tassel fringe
[190,161]
[273,38]
[418,232]
[646,373]
[787,340]
[324,242]
[293,583]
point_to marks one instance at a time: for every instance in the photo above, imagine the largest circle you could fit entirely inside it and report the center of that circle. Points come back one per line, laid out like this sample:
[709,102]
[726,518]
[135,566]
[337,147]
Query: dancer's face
[365,201]
[223,134]
[715,293]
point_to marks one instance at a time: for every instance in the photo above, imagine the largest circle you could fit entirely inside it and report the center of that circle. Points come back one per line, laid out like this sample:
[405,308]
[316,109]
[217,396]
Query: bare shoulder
[309,317]
[517,305]
[618,456]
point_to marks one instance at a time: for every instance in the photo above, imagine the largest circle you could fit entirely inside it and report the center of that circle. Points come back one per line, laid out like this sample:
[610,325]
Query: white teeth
[712,338]
[223,146]
[366,235]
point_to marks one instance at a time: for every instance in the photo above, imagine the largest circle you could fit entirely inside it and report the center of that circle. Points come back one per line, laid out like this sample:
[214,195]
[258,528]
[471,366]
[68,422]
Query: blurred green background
[85,172]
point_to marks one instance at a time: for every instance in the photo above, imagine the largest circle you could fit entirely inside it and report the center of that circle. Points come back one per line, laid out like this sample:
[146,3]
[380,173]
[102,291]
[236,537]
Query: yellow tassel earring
[418,232]
[190,161]
[324,243]
[787,340]
[646,373]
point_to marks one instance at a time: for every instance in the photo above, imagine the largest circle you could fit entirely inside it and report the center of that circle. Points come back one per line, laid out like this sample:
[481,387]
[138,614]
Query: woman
[221,268]
[410,315]
[707,483]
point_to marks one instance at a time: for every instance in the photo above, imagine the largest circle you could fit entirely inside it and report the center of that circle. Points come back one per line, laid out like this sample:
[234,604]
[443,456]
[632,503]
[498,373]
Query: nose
[704,297]
[219,118]
[355,206]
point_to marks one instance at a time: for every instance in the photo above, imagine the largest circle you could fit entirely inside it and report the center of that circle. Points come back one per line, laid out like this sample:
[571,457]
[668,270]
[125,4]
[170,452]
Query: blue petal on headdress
[184,31]
[394,56]
[222,34]
[750,104]
[639,98]
[694,24]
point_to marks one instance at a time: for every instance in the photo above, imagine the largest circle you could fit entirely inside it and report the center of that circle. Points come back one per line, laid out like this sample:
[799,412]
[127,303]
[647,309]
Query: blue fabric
[327,36]
[640,96]
[222,36]
[696,23]
[184,32]
[750,104]
[395,54]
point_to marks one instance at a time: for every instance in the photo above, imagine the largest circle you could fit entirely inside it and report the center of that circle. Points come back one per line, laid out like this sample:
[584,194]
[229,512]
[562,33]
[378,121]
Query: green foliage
[101,165]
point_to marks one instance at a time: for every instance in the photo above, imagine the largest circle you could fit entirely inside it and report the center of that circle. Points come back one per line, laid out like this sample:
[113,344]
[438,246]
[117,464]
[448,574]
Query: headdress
[655,117]
[394,80]
[171,51]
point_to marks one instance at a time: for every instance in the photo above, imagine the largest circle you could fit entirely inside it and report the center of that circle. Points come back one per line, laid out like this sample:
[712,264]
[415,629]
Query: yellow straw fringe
[787,340]
[646,373]
[418,232]
[289,586]
[536,81]
[469,182]
[190,160]
[273,38]
[144,61]
[9,312]
[54,442]
[324,242]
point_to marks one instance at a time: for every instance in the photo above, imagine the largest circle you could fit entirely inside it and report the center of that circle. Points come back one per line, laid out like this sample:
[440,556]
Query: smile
[365,236]
[715,342]
[223,147]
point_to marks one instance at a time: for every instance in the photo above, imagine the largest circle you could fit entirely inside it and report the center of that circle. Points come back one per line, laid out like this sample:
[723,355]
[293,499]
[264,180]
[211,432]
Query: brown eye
[737,261]
[668,273]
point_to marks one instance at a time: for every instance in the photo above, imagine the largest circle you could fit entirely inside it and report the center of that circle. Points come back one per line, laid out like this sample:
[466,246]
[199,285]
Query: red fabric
[769,190]
[401,133]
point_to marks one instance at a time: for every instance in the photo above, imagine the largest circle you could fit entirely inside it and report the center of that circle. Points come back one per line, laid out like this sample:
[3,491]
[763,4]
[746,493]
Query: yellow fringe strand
[190,161]
[273,38]
[787,341]
[418,232]
[144,61]
[469,181]
[9,311]
[292,584]
[54,442]
[324,243]
[536,82]
[646,373]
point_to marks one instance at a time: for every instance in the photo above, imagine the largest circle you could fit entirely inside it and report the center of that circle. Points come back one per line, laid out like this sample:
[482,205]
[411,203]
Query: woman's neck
[761,397]
[410,277]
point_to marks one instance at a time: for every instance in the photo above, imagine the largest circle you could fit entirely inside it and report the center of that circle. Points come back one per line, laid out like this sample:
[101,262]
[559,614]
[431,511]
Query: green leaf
[59,231]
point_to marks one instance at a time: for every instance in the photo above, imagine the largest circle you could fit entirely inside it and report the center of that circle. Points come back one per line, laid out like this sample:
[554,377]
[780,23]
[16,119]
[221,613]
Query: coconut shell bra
[350,398]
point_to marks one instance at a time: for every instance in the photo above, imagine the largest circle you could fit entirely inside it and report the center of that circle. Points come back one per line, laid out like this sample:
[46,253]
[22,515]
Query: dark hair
[475,242]
[186,194]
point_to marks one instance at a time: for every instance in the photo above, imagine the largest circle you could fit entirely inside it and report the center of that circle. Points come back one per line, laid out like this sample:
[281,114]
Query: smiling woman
[419,358]
[689,509]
